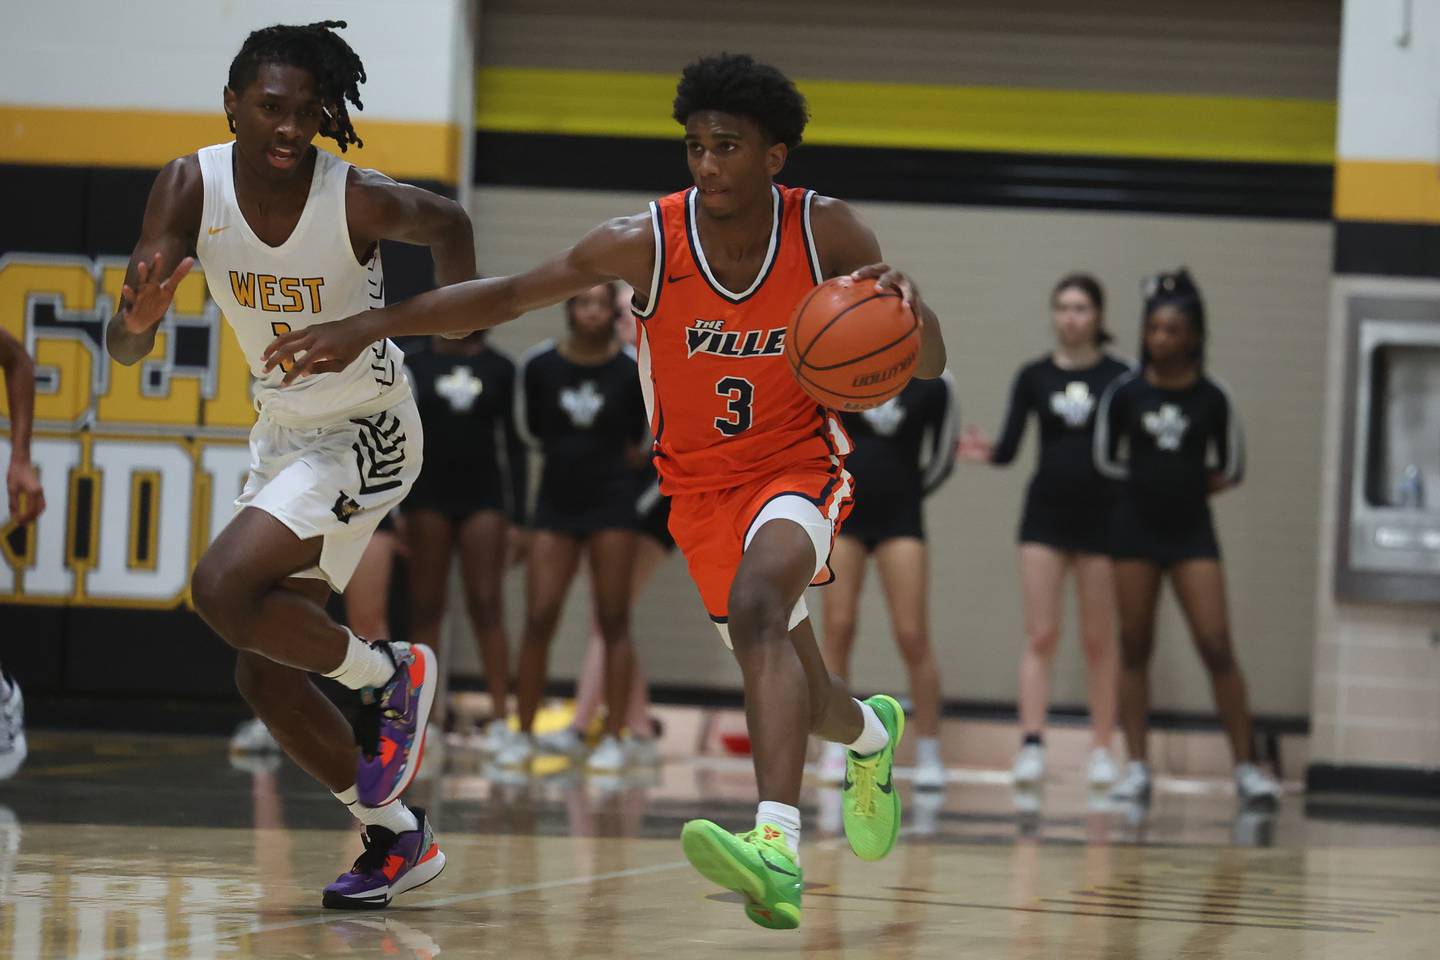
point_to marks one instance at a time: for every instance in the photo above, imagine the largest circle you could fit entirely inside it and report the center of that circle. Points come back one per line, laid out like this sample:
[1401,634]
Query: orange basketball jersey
[724,407]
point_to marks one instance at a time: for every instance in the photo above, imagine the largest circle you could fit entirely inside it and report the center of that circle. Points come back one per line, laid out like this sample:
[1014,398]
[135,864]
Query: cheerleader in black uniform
[653,545]
[469,500]
[904,450]
[1065,525]
[1170,433]
[580,403]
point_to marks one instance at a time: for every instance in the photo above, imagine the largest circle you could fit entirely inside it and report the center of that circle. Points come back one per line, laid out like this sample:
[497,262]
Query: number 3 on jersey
[740,396]
[278,328]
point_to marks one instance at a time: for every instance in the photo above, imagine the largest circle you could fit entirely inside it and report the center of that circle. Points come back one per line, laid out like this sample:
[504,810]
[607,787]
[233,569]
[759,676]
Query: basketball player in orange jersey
[288,235]
[754,467]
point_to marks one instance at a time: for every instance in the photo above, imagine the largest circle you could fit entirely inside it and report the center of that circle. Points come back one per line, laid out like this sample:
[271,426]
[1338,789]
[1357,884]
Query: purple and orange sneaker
[391,729]
[391,864]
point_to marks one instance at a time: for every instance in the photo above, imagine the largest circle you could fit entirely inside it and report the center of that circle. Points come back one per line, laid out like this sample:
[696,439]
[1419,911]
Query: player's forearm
[454,252]
[125,347]
[459,307]
[932,348]
[20,391]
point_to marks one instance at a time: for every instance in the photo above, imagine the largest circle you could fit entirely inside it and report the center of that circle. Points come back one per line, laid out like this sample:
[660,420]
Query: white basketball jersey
[310,278]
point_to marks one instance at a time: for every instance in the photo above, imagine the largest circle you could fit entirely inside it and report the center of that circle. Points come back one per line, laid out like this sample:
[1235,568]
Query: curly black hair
[1175,289]
[318,49]
[735,83]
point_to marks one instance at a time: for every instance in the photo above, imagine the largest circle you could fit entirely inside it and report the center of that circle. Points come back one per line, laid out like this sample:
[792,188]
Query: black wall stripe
[1198,188]
[1387,249]
[1364,778]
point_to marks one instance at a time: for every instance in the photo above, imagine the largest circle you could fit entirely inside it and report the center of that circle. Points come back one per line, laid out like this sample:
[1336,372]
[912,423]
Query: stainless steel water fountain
[1389,531]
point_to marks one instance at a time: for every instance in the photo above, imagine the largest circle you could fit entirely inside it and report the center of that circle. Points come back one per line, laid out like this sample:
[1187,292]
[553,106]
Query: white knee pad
[795,509]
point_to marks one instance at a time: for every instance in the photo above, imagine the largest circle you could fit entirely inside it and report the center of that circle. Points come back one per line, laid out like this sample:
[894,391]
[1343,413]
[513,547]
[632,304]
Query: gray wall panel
[987,272]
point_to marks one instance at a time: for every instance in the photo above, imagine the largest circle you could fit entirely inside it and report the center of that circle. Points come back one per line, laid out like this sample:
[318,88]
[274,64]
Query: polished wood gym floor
[118,846]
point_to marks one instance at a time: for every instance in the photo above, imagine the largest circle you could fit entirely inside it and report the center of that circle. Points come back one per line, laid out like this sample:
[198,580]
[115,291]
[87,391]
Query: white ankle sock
[364,665]
[927,750]
[783,816]
[873,736]
[394,816]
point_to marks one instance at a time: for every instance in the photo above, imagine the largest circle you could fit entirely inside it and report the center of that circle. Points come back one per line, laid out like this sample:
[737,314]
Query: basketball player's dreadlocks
[318,49]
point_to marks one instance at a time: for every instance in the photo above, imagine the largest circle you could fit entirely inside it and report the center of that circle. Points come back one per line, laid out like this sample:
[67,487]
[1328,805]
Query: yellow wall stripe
[148,138]
[1394,191]
[1171,126]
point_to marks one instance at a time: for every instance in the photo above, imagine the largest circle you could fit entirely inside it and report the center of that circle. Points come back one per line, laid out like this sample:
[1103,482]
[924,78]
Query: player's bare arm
[22,482]
[847,246]
[380,208]
[161,259]
[619,249]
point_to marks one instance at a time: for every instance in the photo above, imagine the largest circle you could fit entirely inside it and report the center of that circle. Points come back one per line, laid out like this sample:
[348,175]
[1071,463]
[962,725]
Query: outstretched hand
[973,446]
[26,495]
[145,304]
[319,348]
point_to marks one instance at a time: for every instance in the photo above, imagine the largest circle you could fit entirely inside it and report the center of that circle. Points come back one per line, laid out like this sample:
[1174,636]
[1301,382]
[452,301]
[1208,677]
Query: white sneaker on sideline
[253,736]
[493,737]
[13,746]
[566,743]
[1133,785]
[644,753]
[929,775]
[608,756]
[1253,784]
[832,763]
[1101,772]
[1029,765]
[517,753]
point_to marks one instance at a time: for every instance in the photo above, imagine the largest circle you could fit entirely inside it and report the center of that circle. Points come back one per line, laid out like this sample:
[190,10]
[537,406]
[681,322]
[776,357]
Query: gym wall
[993,149]
[1376,704]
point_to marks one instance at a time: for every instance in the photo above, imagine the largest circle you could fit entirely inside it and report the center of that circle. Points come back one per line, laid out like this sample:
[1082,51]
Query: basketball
[852,345]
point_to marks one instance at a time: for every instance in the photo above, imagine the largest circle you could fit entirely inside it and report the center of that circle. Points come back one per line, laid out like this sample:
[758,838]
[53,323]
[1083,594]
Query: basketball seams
[832,321]
[886,394]
[915,325]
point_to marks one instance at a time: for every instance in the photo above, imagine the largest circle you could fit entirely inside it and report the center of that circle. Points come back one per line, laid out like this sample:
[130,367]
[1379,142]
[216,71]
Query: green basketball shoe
[758,865]
[871,803]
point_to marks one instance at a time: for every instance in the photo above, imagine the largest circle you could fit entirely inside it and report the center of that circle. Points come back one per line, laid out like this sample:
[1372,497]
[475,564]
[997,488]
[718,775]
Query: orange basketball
[852,345]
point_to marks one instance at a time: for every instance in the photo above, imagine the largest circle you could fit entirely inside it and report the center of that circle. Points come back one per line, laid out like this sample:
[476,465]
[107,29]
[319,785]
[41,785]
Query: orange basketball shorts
[713,528]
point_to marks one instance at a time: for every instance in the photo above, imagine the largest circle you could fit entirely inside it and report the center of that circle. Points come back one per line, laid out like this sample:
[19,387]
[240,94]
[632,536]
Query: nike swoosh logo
[766,860]
[846,783]
[215,230]
[889,785]
[675,279]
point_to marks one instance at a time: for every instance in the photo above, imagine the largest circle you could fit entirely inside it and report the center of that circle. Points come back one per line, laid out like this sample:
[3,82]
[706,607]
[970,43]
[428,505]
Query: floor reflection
[118,847]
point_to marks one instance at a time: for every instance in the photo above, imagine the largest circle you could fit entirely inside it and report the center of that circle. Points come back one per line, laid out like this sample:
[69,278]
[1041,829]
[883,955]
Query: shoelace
[378,843]
[862,787]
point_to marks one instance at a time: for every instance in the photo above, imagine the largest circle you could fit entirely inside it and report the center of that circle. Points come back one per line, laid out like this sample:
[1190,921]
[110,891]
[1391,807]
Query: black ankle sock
[1032,740]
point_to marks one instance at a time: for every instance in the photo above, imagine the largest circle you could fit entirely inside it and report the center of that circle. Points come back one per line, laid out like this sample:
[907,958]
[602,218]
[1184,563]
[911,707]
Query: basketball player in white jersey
[288,236]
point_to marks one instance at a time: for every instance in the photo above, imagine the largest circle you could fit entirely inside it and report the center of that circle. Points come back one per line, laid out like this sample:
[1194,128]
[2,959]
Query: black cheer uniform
[474,459]
[904,450]
[1164,445]
[587,421]
[1068,503]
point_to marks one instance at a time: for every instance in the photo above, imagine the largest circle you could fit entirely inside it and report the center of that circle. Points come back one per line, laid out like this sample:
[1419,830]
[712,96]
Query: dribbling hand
[887,277]
[145,305]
